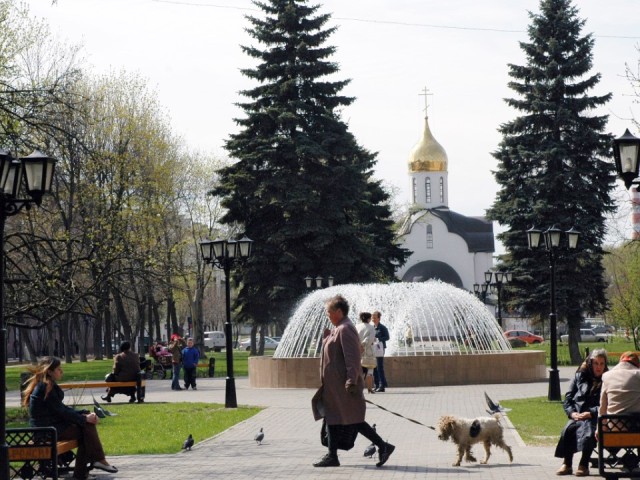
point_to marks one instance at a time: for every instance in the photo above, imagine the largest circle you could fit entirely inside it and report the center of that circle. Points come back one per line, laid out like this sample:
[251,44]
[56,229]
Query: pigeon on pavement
[259,437]
[188,443]
[494,407]
[99,411]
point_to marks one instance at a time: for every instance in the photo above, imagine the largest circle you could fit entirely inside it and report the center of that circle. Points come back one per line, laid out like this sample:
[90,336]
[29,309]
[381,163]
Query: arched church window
[427,189]
[413,187]
[429,236]
[441,190]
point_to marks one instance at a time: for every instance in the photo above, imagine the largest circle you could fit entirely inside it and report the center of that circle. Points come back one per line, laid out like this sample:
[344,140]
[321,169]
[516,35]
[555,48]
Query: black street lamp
[626,152]
[552,242]
[223,254]
[318,281]
[481,291]
[37,172]
[499,279]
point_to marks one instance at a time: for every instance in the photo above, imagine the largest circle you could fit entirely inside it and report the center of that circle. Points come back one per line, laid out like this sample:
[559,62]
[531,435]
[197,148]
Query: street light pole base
[554,385]
[230,394]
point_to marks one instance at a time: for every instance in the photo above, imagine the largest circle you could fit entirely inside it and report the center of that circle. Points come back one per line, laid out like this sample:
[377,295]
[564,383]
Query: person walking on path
[382,335]
[175,347]
[581,406]
[340,400]
[190,359]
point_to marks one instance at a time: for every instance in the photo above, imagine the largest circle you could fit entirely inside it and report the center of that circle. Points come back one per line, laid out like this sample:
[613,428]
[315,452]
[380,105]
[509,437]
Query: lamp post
[223,254]
[37,171]
[309,281]
[499,279]
[626,152]
[552,242]
[481,291]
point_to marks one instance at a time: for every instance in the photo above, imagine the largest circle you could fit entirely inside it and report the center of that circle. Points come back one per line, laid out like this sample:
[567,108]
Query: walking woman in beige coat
[340,400]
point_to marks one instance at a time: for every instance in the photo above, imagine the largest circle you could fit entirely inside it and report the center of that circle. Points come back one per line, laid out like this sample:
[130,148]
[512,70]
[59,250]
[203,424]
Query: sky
[190,53]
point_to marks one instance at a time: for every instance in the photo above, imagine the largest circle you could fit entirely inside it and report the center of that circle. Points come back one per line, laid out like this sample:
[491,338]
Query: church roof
[428,155]
[477,232]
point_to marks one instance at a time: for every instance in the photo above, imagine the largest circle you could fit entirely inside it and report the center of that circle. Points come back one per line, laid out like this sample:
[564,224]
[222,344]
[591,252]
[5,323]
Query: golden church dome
[428,155]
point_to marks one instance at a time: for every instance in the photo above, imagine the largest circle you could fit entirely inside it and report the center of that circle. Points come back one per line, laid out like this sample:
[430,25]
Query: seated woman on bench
[43,397]
[126,368]
[581,406]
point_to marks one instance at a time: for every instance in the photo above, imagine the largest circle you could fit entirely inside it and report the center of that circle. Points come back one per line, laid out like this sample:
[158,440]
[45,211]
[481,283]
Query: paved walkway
[292,441]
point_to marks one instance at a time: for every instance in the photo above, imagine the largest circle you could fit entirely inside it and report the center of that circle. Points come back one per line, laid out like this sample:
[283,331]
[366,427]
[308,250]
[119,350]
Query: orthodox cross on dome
[425,93]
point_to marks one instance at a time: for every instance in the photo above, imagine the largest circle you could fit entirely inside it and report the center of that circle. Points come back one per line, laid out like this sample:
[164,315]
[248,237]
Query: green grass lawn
[617,345]
[158,428]
[165,425]
[537,420]
[97,369]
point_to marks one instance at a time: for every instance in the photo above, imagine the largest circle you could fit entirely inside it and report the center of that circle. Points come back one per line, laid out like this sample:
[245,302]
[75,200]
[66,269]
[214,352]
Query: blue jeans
[175,379]
[378,374]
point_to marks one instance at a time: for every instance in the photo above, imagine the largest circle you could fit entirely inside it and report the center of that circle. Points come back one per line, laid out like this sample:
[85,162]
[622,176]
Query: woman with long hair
[43,397]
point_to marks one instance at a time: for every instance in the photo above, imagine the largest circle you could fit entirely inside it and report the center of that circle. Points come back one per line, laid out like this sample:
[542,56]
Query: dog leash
[398,415]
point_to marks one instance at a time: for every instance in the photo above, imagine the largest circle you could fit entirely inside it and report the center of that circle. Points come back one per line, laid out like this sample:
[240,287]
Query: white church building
[446,245]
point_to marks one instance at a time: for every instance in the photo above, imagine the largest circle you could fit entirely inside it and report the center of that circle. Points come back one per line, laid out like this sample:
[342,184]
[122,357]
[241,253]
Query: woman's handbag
[378,349]
[343,436]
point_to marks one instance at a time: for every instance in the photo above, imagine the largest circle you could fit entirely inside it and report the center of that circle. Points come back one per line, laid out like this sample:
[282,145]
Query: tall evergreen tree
[551,168]
[302,187]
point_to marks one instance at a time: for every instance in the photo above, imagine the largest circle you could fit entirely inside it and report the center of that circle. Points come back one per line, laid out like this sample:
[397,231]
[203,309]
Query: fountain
[440,335]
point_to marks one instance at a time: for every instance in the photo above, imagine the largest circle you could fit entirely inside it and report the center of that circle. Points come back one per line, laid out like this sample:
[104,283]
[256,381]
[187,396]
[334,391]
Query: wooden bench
[139,385]
[36,451]
[619,446]
[206,369]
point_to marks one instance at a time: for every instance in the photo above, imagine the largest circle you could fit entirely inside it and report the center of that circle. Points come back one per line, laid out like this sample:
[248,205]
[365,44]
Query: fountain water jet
[440,335]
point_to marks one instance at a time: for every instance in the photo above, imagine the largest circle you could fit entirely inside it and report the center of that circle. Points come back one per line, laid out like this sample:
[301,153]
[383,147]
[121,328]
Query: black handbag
[343,436]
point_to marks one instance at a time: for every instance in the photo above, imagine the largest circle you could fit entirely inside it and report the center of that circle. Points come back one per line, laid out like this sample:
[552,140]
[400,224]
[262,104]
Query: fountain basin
[410,371]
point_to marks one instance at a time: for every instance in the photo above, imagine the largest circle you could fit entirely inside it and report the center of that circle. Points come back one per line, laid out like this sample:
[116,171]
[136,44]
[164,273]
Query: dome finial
[428,155]
[426,93]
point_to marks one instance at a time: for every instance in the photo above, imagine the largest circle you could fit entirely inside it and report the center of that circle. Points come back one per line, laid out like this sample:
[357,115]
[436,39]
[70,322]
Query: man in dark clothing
[126,368]
[382,335]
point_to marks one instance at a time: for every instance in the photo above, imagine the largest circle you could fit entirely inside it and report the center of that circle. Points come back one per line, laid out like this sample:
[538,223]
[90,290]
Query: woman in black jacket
[581,406]
[44,398]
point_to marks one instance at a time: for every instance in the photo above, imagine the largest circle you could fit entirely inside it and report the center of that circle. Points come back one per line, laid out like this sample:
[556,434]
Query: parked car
[269,344]
[215,341]
[610,329]
[588,335]
[523,335]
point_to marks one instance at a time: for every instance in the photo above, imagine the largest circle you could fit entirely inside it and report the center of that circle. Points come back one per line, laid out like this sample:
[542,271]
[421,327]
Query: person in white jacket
[367,334]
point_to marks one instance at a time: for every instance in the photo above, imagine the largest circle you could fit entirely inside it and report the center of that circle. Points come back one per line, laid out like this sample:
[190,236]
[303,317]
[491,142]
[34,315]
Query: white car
[269,343]
[588,335]
[215,341]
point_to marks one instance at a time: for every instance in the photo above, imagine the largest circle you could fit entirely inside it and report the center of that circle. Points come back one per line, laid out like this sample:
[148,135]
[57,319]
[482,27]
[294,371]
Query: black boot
[384,453]
[329,460]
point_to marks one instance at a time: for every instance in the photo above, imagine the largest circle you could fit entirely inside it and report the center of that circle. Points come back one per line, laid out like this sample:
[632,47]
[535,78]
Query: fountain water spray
[423,318]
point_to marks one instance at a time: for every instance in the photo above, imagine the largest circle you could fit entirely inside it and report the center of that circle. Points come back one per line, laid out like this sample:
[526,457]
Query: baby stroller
[161,363]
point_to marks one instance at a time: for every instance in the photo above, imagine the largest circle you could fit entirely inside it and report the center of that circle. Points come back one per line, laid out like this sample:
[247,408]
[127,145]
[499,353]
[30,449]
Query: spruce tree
[302,186]
[553,168]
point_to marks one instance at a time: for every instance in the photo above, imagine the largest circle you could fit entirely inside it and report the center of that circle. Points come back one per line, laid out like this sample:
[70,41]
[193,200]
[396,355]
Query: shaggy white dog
[464,432]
